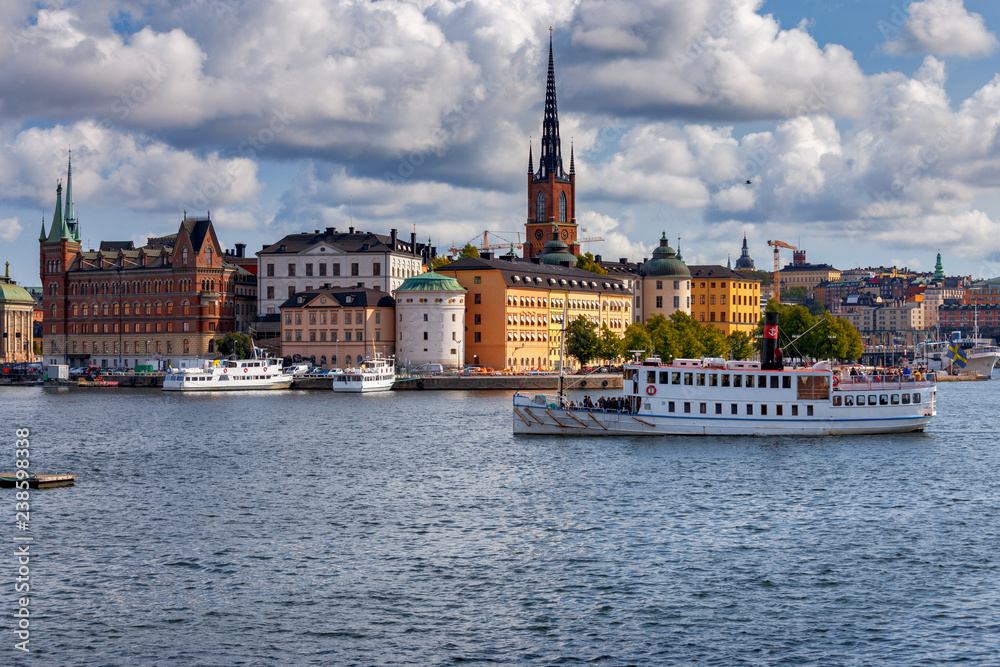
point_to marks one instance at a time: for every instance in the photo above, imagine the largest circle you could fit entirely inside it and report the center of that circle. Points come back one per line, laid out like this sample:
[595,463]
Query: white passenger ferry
[718,397]
[376,373]
[259,372]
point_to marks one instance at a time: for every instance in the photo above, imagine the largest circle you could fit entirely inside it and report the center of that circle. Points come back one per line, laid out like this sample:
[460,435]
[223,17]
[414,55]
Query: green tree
[816,309]
[439,261]
[587,262]
[469,251]
[740,346]
[849,345]
[582,341]
[636,338]
[234,344]
[690,336]
[797,294]
[611,345]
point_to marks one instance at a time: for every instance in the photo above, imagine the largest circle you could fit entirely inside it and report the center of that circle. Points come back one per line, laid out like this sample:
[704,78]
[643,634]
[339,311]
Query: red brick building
[164,302]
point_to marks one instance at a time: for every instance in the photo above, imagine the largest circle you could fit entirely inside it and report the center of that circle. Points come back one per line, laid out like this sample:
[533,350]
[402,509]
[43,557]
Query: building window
[477,298]
[425,335]
[377,269]
[270,291]
[540,207]
[184,257]
[291,270]
[677,302]
[309,269]
[478,318]
[562,207]
[659,284]
[270,269]
[291,291]
[659,302]
[355,269]
[477,337]
[336,269]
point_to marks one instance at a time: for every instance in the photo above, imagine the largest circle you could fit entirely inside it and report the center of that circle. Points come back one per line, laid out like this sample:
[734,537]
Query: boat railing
[868,382]
[552,401]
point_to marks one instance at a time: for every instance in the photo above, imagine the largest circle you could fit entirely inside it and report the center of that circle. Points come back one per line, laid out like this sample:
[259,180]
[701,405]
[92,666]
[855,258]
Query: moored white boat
[257,373]
[718,397]
[376,373]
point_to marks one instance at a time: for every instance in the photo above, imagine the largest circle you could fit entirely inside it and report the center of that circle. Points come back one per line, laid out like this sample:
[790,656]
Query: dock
[8,479]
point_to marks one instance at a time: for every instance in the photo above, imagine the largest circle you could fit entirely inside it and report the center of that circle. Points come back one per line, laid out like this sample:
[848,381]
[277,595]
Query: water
[413,528]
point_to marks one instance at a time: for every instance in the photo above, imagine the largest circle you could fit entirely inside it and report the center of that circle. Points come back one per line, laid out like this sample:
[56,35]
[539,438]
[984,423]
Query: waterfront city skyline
[863,132]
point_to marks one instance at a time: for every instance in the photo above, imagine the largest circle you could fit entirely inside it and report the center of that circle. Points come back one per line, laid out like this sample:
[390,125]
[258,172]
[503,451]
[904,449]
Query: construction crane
[486,245]
[777,264]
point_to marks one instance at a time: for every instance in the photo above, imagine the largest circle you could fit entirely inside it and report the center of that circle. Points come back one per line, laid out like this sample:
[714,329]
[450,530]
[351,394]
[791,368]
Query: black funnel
[770,355]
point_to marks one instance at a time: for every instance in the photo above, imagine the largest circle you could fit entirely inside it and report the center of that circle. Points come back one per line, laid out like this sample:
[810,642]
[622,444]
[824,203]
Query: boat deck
[8,479]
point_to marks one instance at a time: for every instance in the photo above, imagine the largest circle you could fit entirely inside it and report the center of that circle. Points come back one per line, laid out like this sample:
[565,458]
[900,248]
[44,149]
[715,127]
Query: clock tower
[551,191]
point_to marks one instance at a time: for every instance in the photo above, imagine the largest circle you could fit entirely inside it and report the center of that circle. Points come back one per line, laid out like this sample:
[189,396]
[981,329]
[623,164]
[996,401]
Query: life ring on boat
[265,369]
[604,383]
[583,383]
[651,389]
[225,370]
[420,384]
[836,380]
[245,370]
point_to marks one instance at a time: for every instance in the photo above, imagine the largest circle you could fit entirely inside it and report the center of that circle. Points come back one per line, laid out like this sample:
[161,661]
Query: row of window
[349,317]
[677,284]
[876,399]
[540,205]
[740,318]
[321,269]
[127,309]
[734,409]
[739,300]
[677,302]
[145,287]
[269,290]
[138,347]
[128,327]
[334,336]
[719,379]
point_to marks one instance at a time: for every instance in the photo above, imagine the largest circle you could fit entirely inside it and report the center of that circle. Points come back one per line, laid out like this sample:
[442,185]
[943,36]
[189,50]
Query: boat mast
[562,354]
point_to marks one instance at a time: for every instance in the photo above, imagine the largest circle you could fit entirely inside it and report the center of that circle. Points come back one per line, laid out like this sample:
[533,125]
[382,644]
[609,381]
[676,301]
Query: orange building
[514,309]
[723,297]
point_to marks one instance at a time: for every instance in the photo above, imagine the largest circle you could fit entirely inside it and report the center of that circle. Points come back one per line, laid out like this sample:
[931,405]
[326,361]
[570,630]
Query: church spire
[550,161]
[938,269]
[531,168]
[59,229]
[572,163]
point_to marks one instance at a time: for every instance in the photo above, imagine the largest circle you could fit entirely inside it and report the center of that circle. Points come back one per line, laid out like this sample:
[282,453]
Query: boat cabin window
[906,399]
[670,406]
[763,410]
[872,399]
[725,379]
[650,377]
[774,381]
[675,378]
[687,408]
[700,380]
[749,381]
[734,409]
[795,411]
[813,387]
[737,380]
[894,399]
[777,409]
[664,377]
[688,378]
[836,400]
[848,400]
[718,408]
[786,382]
[703,408]
[809,411]
[762,381]
[749,408]
[713,379]
[916,398]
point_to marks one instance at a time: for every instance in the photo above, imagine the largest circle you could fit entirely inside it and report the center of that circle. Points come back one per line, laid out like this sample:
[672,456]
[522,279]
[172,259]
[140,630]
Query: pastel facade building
[725,298]
[17,325]
[666,283]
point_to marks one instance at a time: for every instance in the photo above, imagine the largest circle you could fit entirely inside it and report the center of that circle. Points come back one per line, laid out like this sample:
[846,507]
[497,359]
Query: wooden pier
[8,479]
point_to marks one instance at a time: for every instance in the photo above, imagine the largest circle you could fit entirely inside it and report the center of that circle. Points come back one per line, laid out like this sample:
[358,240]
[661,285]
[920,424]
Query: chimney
[413,243]
[798,257]
[770,353]
[241,249]
[623,260]
[597,258]
[350,230]
[393,235]
[331,230]
[486,254]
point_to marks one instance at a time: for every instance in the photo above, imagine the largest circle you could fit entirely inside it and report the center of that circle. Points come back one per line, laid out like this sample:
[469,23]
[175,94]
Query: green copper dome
[11,293]
[430,282]
[556,252]
[665,262]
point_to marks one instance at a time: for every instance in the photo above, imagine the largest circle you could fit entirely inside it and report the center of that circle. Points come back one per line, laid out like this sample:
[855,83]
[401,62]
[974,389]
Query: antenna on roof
[352,210]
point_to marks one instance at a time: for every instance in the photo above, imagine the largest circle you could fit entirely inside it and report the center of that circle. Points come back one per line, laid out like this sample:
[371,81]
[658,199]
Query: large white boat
[980,354]
[375,374]
[258,372]
[719,397]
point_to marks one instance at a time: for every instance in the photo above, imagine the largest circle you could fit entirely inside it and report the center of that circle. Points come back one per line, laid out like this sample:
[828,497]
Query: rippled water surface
[413,528]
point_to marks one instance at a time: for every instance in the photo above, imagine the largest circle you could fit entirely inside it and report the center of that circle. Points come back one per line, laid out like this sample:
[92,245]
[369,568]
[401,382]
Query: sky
[863,131]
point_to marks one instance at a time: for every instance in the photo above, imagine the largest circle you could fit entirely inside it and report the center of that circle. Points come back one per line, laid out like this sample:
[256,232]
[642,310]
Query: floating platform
[8,479]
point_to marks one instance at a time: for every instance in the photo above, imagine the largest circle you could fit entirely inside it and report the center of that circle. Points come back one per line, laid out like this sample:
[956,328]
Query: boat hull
[532,419]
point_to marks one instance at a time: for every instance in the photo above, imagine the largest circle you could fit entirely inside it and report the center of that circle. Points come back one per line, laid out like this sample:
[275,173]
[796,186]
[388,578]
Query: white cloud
[942,27]
[10,229]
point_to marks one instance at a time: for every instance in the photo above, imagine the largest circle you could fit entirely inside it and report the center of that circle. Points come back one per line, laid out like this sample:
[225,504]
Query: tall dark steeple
[551,191]
[550,160]
[744,262]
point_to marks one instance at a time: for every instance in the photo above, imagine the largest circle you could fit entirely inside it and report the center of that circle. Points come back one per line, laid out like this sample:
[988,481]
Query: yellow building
[725,298]
[514,309]
[802,274]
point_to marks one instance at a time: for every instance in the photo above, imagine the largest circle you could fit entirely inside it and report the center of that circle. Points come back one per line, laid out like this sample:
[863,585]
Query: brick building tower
[58,248]
[551,191]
